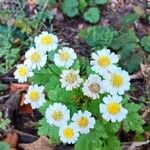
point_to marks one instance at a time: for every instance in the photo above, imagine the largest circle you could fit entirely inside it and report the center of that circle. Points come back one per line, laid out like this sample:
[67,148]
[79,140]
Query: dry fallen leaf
[12,139]
[41,143]
[32,2]
[18,87]
[25,109]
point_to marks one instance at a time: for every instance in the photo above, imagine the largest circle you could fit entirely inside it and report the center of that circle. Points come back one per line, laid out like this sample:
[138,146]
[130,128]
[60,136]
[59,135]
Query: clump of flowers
[75,100]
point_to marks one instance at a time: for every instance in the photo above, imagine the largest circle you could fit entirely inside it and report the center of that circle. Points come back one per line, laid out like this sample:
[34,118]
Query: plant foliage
[92,15]
[97,36]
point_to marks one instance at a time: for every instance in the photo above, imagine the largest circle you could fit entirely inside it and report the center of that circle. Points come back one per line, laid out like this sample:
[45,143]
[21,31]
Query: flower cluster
[107,79]
[36,57]
[58,115]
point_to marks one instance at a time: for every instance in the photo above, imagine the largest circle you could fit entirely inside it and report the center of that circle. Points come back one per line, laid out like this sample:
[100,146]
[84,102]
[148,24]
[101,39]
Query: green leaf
[5,15]
[132,107]
[126,52]
[52,83]
[132,63]
[70,7]
[76,65]
[51,55]
[94,107]
[50,2]
[145,42]
[111,128]
[112,143]
[43,108]
[148,58]
[125,43]
[54,69]
[12,57]
[82,141]
[2,68]
[92,15]
[45,129]
[129,19]
[82,5]
[48,77]
[97,36]
[101,137]
[4,146]
[133,120]
[99,1]
[90,142]
[41,77]
[100,128]
[64,97]
[126,40]
[53,95]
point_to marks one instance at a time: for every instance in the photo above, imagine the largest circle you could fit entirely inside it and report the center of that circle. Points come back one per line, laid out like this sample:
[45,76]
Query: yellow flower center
[57,115]
[113,108]
[64,56]
[116,80]
[68,133]
[83,122]
[46,40]
[22,71]
[70,78]
[35,57]
[94,88]
[104,61]
[34,96]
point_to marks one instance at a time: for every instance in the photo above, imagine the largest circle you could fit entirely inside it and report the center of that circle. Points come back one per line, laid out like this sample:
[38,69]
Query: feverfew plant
[81,105]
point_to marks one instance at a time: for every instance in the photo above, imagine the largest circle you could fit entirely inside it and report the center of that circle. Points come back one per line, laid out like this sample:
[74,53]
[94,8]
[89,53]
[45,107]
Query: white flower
[103,61]
[112,109]
[35,96]
[65,57]
[70,79]
[68,133]
[93,86]
[22,73]
[83,121]
[46,42]
[35,58]
[57,114]
[117,81]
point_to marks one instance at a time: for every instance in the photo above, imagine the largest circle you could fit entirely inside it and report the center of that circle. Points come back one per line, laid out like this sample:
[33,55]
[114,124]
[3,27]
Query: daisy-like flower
[112,109]
[57,114]
[70,79]
[65,57]
[35,58]
[35,96]
[103,61]
[117,81]
[46,42]
[68,133]
[22,73]
[93,86]
[83,121]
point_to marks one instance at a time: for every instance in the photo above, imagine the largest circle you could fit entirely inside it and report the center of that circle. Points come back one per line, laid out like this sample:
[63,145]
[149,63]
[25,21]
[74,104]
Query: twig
[2,98]
[137,144]
[136,99]
[133,145]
